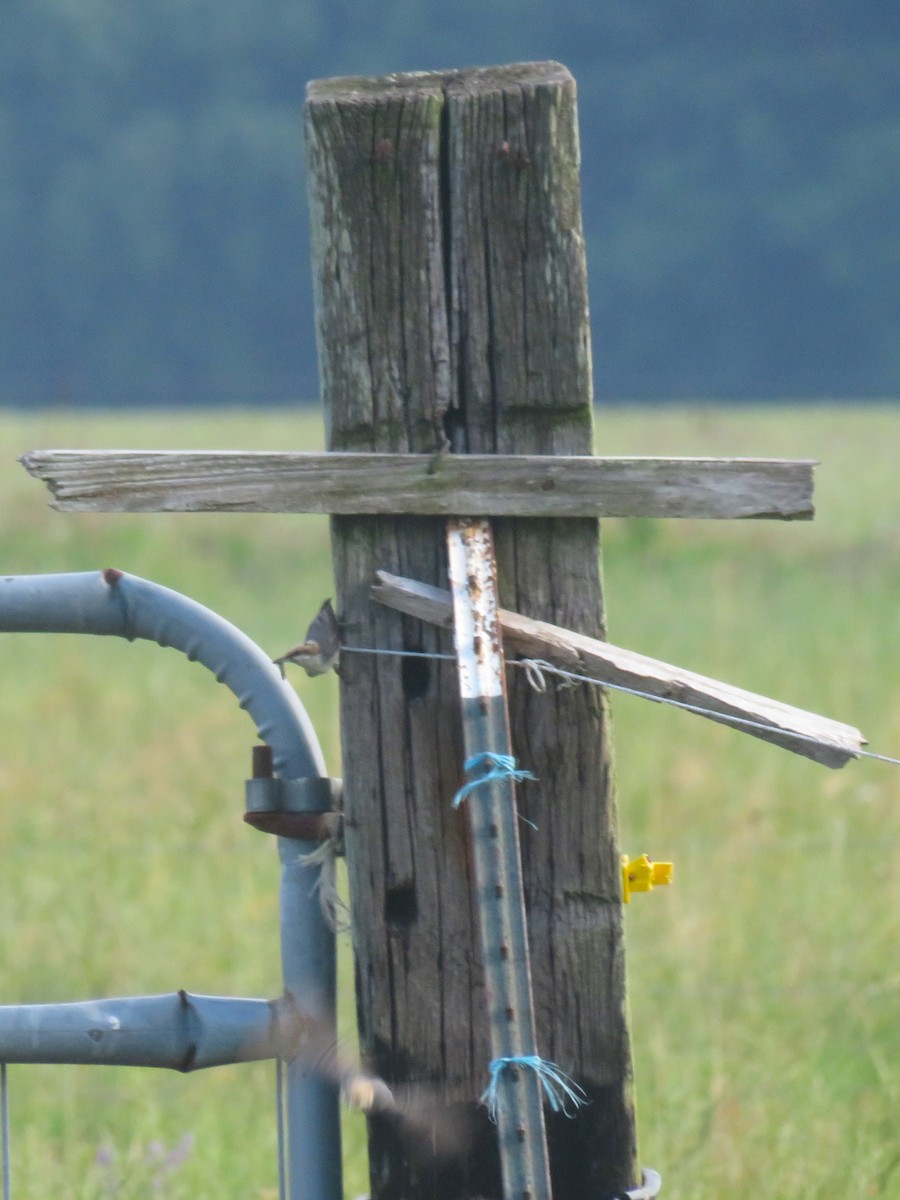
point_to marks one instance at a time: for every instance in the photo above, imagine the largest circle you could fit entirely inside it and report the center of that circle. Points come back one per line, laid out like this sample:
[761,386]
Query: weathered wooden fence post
[452,317]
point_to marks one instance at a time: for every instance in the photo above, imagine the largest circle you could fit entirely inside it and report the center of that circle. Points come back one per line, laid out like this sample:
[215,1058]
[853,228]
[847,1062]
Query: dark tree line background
[740,184]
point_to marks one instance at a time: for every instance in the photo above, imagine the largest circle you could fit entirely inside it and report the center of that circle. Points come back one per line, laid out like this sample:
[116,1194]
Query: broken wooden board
[514,485]
[825,741]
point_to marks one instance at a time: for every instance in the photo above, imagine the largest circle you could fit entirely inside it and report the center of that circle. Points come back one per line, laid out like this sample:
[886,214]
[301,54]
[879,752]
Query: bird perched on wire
[320,650]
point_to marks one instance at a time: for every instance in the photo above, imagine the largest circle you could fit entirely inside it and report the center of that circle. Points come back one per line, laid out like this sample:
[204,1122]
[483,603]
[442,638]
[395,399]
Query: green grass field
[764,984]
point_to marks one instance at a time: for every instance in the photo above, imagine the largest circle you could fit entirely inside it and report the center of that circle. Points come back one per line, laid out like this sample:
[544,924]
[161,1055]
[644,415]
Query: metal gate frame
[179,1030]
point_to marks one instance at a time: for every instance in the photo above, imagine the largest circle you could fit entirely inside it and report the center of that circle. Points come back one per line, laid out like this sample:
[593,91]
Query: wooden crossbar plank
[442,485]
[785,725]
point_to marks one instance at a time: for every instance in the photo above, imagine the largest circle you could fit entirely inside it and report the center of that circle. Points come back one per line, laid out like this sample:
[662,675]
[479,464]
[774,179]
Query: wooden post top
[468,79]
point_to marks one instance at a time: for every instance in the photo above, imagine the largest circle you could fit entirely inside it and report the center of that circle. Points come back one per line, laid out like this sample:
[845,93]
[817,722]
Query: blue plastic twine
[558,1087]
[503,766]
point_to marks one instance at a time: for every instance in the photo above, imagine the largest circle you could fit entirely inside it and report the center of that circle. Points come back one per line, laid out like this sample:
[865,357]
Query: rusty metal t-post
[499,896]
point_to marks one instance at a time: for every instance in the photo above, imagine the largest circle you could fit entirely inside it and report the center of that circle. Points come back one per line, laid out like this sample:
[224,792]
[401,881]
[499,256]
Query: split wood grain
[438,485]
[451,307]
[833,744]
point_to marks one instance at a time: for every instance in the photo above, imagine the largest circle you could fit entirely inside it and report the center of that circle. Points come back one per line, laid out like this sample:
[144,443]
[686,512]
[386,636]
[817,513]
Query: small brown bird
[429,1127]
[321,648]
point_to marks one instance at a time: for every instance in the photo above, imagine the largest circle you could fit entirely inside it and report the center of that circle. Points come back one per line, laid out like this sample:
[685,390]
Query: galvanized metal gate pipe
[115,604]
[178,1031]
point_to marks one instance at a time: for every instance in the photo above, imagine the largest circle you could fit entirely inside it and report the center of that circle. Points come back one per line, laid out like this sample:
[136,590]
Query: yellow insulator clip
[642,875]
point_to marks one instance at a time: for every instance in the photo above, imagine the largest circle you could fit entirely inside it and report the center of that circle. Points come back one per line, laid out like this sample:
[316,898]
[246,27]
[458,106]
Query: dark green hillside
[741,166]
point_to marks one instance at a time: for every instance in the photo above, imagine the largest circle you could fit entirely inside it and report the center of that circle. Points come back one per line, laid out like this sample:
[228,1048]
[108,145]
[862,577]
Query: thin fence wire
[537,668]
[541,667]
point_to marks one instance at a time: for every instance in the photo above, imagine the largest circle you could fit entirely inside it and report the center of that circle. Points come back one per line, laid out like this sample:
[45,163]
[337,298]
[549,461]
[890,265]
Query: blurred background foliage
[740,171]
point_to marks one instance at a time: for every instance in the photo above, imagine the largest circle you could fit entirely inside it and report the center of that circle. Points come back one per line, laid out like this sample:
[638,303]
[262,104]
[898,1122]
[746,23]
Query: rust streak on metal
[305,827]
[497,865]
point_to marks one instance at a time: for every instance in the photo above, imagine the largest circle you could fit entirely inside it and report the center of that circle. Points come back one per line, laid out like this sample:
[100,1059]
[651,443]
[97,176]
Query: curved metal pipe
[113,603]
[116,604]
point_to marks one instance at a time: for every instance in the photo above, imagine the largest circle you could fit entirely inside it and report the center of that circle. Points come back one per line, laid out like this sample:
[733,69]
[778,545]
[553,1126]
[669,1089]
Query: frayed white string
[334,909]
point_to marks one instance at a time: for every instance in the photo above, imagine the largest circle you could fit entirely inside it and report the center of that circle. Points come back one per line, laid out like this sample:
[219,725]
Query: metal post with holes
[500,901]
